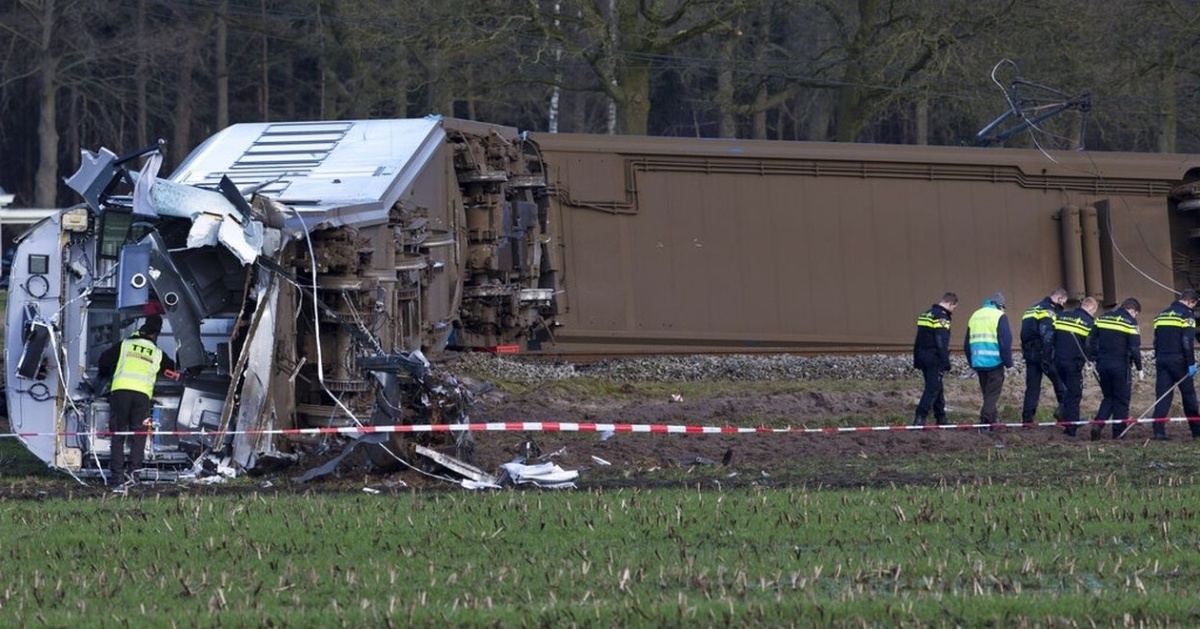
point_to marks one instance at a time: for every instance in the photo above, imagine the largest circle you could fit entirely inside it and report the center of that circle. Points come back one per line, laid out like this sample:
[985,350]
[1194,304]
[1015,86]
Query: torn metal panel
[214,219]
[458,467]
[95,176]
[254,412]
[184,306]
[143,187]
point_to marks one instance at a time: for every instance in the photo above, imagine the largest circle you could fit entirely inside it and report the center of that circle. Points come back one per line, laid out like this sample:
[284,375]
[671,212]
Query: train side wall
[703,245]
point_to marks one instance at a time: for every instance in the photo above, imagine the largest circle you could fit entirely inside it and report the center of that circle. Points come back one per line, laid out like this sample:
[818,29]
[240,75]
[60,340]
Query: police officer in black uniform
[1074,347]
[1175,361]
[1119,345]
[931,355]
[1037,342]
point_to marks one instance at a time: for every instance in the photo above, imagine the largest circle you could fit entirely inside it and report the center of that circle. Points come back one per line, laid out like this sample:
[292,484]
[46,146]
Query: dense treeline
[122,73]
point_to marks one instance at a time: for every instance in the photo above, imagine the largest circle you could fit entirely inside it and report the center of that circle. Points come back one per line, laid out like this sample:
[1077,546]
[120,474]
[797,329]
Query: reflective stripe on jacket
[137,367]
[932,344]
[1074,341]
[1175,333]
[1118,338]
[984,339]
[1035,321]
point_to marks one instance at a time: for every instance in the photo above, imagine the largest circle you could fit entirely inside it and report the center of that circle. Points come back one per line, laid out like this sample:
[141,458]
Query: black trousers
[1171,371]
[933,396]
[1033,388]
[1117,390]
[127,411]
[991,384]
[1071,375]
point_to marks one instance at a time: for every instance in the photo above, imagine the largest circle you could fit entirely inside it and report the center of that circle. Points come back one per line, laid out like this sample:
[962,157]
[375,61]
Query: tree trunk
[760,112]
[400,86]
[1169,119]
[610,61]
[46,181]
[46,193]
[182,125]
[141,80]
[322,87]
[264,86]
[921,114]
[816,118]
[223,65]
[635,102]
[556,89]
[851,115]
[852,110]
[441,97]
[727,125]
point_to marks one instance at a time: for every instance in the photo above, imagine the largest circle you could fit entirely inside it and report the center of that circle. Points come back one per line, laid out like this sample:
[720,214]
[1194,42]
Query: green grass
[16,461]
[1027,531]
[1095,550]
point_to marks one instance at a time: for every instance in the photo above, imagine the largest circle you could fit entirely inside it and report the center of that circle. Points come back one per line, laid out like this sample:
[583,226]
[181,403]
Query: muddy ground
[875,458]
[757,456]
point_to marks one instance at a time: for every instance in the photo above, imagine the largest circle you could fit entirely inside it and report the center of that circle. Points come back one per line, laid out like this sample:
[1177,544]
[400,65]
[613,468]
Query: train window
[39,264]
[114,228]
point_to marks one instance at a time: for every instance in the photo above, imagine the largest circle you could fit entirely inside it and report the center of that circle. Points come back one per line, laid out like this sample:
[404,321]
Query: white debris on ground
[546,475]
[210,470]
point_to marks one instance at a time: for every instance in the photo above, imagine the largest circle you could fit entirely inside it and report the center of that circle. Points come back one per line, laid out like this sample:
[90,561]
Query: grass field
[1017,528]
[1083,551]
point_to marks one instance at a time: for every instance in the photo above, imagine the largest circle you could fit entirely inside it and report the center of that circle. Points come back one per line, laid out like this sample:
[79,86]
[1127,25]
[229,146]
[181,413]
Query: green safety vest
[984,340]
[137,368]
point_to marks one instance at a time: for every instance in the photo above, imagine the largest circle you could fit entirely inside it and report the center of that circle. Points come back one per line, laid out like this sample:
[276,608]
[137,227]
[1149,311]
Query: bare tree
[49,65]
[887,45]
[752,67]
[619,42]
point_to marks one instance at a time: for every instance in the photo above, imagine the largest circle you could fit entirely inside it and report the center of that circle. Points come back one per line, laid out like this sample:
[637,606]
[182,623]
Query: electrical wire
[312,256]
[1097,172]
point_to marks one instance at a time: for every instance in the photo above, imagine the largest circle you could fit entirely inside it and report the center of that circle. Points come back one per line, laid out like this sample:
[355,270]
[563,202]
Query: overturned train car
[312,274]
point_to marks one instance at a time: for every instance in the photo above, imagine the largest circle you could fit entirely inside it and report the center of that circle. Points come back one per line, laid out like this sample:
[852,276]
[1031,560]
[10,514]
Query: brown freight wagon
[692,245]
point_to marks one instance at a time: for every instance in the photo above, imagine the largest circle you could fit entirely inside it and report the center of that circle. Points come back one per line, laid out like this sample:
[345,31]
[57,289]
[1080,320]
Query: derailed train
[311,274]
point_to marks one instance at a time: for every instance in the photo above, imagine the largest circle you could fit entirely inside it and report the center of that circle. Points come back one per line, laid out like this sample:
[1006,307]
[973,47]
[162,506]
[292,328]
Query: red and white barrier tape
[669,429]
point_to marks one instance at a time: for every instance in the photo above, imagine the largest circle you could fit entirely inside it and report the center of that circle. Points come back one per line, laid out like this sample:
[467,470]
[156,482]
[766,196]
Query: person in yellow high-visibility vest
[134,364]
[988,347]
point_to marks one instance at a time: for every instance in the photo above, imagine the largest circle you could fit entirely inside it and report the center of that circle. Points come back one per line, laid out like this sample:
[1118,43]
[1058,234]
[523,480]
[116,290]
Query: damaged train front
[87,278]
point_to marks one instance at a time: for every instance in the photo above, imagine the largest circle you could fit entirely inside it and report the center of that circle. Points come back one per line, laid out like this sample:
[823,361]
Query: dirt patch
[842,459]
[750,454]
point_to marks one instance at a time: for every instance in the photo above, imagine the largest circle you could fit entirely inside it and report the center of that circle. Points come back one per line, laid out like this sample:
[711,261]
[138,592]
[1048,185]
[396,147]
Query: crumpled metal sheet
[253,412]
[214,219]
[547,475]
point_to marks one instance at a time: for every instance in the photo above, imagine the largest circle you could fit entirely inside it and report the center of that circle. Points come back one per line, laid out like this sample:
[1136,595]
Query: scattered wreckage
[305,272]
